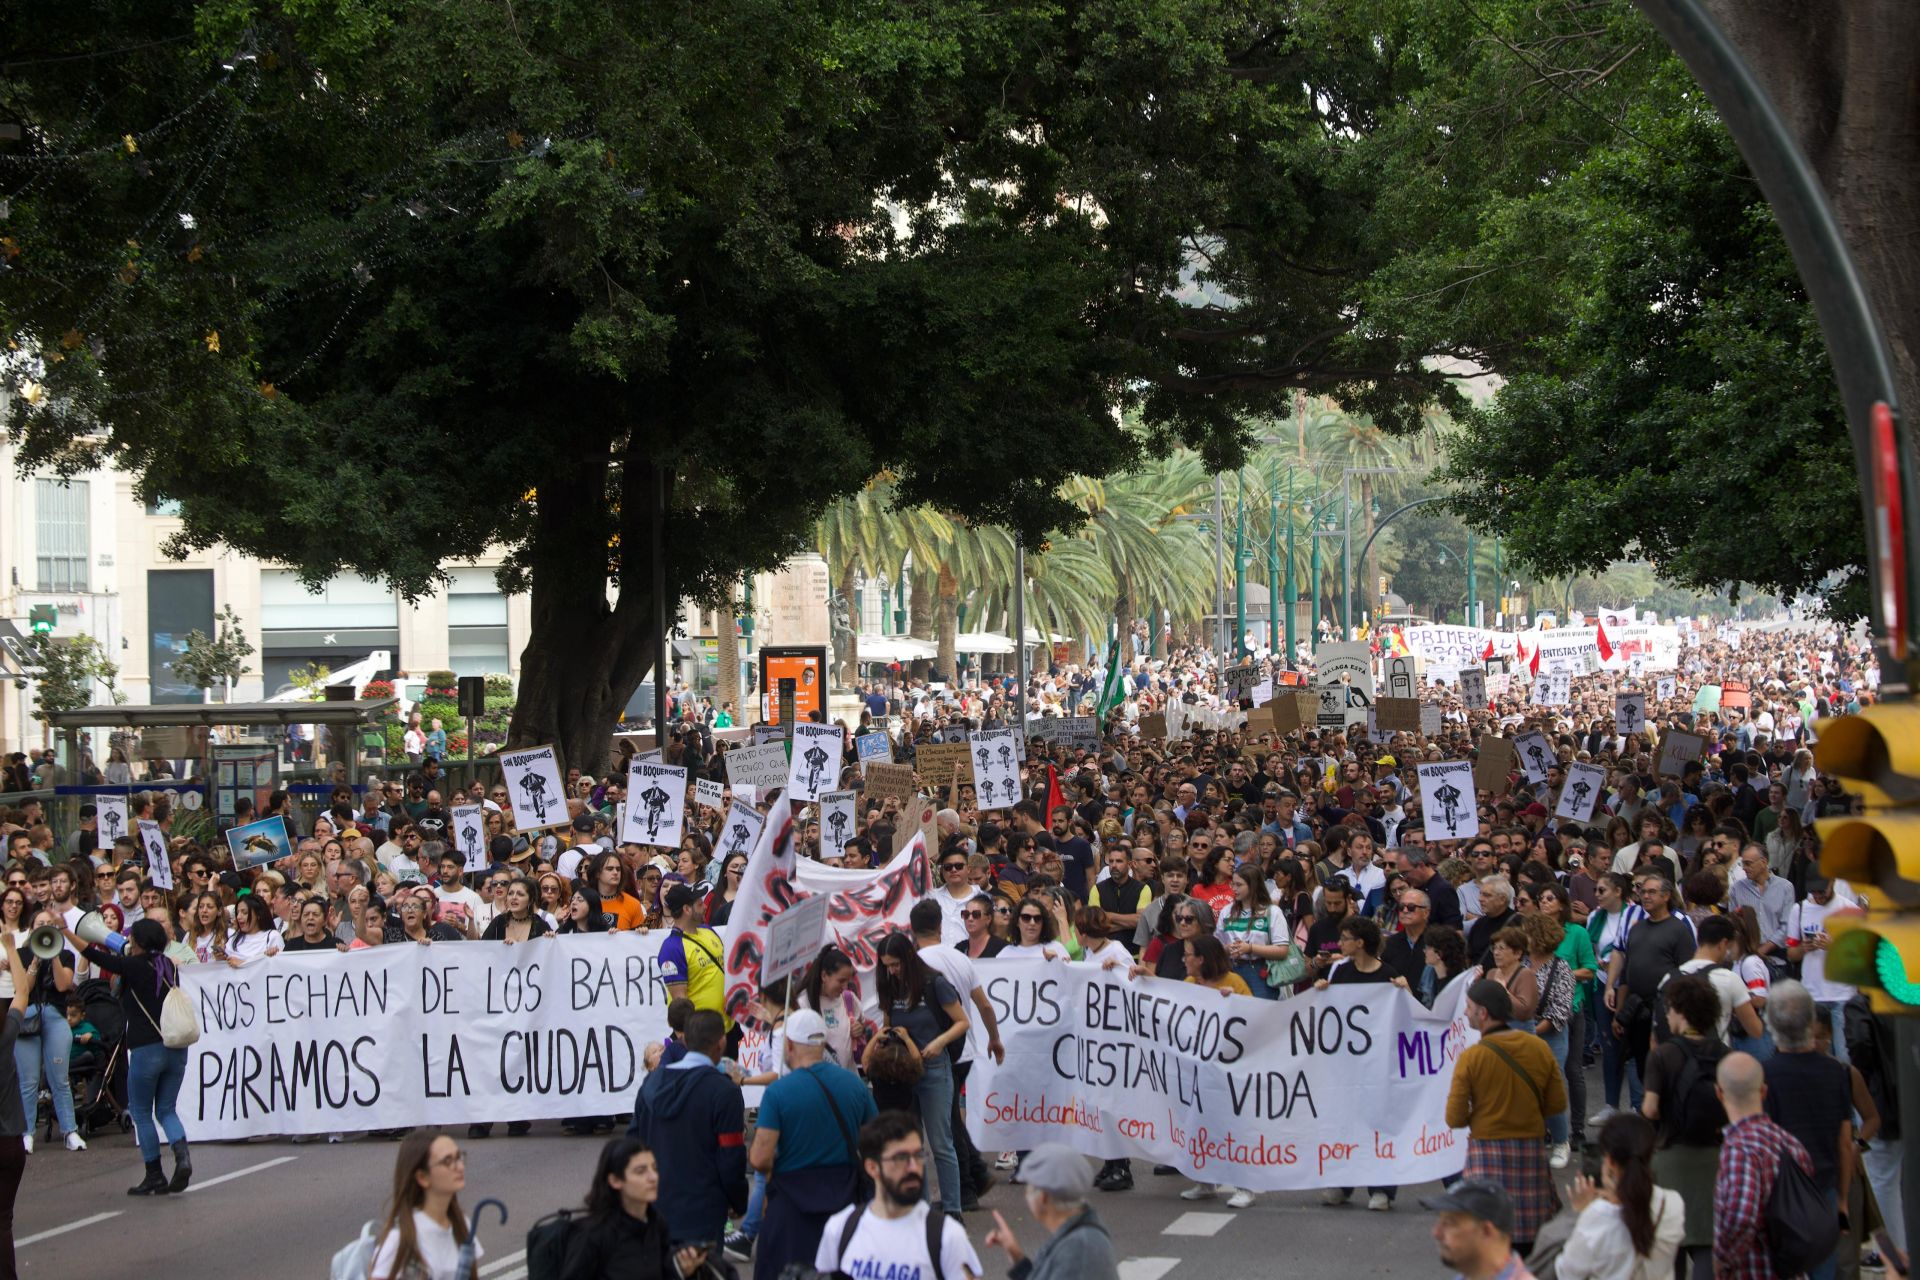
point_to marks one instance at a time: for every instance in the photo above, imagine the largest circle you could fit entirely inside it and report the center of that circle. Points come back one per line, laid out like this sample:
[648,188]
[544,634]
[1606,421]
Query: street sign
[15,646]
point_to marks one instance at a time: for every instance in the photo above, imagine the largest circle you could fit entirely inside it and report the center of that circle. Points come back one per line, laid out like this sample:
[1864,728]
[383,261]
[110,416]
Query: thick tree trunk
[727,653]
[920,619]
[946,611]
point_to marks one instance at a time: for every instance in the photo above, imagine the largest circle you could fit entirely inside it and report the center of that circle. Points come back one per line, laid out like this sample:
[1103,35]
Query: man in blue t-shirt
[805,1145]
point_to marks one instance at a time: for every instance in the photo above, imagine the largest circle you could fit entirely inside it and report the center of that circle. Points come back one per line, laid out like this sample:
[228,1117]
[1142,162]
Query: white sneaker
[1240,1199]
[1601,1116]
[28,1140]
[1379,1202]
[1334,1195]
[1198,1192]
[75,1142]
[1008,1160]
[1558,1156]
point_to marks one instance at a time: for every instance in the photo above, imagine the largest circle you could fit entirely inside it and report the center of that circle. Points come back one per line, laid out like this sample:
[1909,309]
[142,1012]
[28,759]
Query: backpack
[547,1244]
[1694,1116]
[355,1261]
[1657,1007]
[936,1230]
[1802,1228]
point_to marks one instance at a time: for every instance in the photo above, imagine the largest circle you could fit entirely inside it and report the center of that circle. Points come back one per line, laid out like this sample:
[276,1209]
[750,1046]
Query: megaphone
[93,927]
[45,942]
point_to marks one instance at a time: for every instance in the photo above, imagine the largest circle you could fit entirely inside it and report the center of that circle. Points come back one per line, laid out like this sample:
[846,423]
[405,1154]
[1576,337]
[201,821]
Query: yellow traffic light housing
[1877,753]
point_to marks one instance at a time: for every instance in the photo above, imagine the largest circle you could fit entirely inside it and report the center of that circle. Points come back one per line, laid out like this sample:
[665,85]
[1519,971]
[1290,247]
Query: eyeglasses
[448,1162]
[901,1159]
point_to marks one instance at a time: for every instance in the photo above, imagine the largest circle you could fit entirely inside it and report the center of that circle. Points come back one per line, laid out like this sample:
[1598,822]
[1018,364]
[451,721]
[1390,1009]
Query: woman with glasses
[585,914]
[1182,919]
[1000,923]
[1035,932]
[1255,932]
[1607,926]
[976,915]
[554,893]
[493,899]
[425,1227]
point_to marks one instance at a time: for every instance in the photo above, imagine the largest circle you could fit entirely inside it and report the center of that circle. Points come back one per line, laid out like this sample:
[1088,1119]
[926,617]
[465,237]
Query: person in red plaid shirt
[1750,1157]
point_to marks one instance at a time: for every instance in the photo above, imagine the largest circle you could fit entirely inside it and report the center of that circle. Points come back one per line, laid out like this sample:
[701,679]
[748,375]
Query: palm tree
[866,534]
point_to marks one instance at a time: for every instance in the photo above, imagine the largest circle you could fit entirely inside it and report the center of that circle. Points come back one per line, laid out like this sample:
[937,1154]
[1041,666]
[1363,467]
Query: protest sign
[763,767]
[1268,1095]
[1581,792]
[1629,713]
[1239,681]
[1429,718]
[815,766]
[1447,800]
[1494,766]
[1678,749]
[839,821]
[996,768]
[1069,731]
[1397,714]
[1348,665]
[1734,696]
[739,831]
[1637,665]
[1473,686]
[656,805]
[794,937]
[744,791]
[765,733]
[1664,688]
[1499,684]
[1555,690]
[865,906]
[873,746]
[710,793]
[1444,648]
[470,835]
[1263,692]
[937,761]
[393,1037]
[1260,720]
[112,819]
[257,842]
[1536,755]
[1403,677]
[1153,726]
[894,780]
[159,868]
[535,793]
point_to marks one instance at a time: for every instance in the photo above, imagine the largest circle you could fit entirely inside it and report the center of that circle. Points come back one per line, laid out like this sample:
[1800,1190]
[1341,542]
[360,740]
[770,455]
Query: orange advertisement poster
[807,668]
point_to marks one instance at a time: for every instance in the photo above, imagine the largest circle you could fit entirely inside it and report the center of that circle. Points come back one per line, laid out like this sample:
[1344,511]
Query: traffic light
[40,619]
[1877,753]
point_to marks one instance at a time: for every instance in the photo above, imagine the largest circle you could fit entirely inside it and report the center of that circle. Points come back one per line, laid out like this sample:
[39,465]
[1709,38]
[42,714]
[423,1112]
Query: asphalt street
[288,1206]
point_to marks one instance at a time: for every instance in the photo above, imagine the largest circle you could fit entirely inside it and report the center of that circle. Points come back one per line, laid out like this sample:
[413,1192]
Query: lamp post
[1313,573]
[1293,585]
[1273,561]
[1240,573]
[1473,586]
[1219,572]
[1020,631]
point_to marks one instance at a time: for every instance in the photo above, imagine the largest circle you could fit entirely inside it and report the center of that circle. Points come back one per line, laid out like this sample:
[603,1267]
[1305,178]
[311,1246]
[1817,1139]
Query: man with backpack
[694,1120]
[897,1233]
[1753,1162]
[1810,1095]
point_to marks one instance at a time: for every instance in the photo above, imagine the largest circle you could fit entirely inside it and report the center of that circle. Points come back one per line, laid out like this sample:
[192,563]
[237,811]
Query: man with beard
[895,1233]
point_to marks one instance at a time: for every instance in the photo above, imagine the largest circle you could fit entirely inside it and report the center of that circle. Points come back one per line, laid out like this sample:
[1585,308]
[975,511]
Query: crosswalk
[511,1267]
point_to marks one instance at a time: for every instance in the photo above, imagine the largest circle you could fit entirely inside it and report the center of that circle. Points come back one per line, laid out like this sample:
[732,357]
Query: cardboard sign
[709,794]
[1493,770]
[1734,696]
[1429,718]
[1584,786]
[1447,803]
[1398,714]
[1678,749]
[1153,726]
[894,780]
[763,767]
[1072,731]
[937,761]
[1260,720]
[535,792]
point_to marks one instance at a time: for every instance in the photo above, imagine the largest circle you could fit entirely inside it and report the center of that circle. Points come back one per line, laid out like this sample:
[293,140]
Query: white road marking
[1147,1268]
[1197,1224]
[60,1231]
[238,1173]
[518,1273]
[487,1269]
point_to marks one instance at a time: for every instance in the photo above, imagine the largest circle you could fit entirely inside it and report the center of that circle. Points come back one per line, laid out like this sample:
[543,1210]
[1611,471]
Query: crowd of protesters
[1677,931]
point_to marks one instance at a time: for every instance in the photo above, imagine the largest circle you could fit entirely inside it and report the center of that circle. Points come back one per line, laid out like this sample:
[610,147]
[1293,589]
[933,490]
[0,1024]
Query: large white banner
[404,1034]
[1448,650]
[1342,1087]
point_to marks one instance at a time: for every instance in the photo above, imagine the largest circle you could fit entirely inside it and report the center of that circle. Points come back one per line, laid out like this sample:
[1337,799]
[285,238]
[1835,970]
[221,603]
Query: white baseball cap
[804,1026]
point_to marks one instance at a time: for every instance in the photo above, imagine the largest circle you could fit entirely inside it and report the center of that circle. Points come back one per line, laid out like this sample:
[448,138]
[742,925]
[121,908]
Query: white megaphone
[93,927]
[45,942]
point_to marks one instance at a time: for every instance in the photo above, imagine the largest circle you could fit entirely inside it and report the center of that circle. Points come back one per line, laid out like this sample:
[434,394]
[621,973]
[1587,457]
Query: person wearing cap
[694,1120]
[896,1232]
[805,1145]
[692,959]
[1475,1231]
[1504,1088]
[1057,1179]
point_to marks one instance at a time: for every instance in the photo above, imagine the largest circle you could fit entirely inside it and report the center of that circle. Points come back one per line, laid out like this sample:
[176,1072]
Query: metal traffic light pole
[1863,367]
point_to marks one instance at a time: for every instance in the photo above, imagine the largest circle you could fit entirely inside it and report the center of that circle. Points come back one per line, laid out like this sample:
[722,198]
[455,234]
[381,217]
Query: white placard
[814,769]
[1263,692]
[710,793]
[1343,672]
[656,805]
[113,821]
[873,746]
[744,791]
[839,821]
[1429,718]
[1536,755]
[1403,677]
[1629,713]
[535,791]
[996,768]
[739,831]
[763,767]
[1552,690]
[470,835]
[1637,665]
[1448,804]
[1581,792]
[794,937]
[1665,687]
[159,867]
[1473,686]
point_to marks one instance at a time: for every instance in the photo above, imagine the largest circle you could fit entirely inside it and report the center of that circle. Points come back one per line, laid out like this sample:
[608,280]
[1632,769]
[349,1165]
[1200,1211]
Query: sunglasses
[953,866]
[1003,911]
[1185,917]
[1026,916]
[973,915]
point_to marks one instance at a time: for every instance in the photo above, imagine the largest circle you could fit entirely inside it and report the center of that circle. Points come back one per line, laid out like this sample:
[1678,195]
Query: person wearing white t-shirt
[1714,954]
[459,905]
[1807,942]
[893,1234]
[954,892]
[425,1225]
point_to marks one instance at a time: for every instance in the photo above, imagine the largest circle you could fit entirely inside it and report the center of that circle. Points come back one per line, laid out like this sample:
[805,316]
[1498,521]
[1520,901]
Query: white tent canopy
[893,648]
[983,642]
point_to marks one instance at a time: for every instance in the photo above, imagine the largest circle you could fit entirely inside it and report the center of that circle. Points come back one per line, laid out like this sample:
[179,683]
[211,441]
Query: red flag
[1055,797]
[1532,662]
[1486,655]
[1600,636]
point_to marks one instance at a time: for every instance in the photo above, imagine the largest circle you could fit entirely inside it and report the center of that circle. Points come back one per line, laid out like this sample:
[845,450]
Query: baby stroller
[99,1079]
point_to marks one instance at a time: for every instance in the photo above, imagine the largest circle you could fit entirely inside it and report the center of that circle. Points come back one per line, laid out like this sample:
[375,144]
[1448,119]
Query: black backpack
[1694,1116]
[1802,1228]
[547,1242]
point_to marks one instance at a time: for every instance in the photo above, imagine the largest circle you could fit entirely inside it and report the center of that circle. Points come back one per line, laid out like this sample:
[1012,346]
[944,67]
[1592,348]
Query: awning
[874,648]
[130,716]
[983,642]
[1051,637]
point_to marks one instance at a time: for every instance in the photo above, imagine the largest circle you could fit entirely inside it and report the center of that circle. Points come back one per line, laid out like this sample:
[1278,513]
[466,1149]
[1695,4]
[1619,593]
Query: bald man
[1750,1157]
